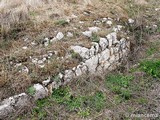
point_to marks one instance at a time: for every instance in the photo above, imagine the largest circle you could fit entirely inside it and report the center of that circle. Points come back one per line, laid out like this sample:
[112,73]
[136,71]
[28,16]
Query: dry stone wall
[104,55]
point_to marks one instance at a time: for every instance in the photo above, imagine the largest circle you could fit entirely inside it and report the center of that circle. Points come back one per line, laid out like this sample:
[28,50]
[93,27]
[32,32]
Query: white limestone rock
[117,57]
[104,20]
[46,42]
[100,69]
[157,9]
[117,28]
[112,59]
[6,110]
[111,51]
[40,62]
[92,51]
[112,38]
[87,33]
[74,16]
[24,69]
[68,75]
[96,46]
[18,64]
[128,44]
[60,36]
[13,104]
[69,34]
[97,22]
[24,47]
[112,67]
[103,67]
[106,65]
[33,43]
[116,49]
[109,22]
[78,71]
[44,59]
[82,51]
[34,60]
[124,52]
[94,29]
[109,18]
[45,82]
[123,43]
[92,64]
[81,69]
[130,21]
[21,100]
[103,42]
[55,85]
[81,22]
[40,91]
[84,68]
[60,75]
[120,55]
[41,65]
[104,55]
[53,40]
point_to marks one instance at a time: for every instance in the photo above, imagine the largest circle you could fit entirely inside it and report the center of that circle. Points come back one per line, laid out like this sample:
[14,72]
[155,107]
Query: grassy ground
[131,89]
[115,96]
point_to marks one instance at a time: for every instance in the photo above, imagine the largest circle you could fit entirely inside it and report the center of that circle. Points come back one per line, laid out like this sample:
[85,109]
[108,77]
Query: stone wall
[104,55]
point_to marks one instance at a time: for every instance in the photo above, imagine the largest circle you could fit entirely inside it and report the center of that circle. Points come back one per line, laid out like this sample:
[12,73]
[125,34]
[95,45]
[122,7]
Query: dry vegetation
[36,19]
[17,11]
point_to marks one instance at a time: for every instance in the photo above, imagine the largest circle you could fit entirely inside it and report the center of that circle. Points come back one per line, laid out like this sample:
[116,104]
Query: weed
[153,48]
[55,78]
[117,99]
[95,38]
[5,45]
[75,103]
[84,112]
[142,100]
[151,67]
[42,103]
[75,55]
[32,13]
[31,90]
[96,102]
[120,84]
[61,22]
[61,95]
[151,51]
[158,29]
[39,111]
[41,114]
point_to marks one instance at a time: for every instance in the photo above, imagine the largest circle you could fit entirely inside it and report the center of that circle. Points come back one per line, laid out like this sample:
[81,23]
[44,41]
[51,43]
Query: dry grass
[17,11]
[21,10]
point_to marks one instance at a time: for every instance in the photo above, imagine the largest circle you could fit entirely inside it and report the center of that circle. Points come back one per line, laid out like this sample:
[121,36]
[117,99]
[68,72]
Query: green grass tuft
[61,22]
[31,90]
[94,102]
[120,85]
[95,38]
[151,67]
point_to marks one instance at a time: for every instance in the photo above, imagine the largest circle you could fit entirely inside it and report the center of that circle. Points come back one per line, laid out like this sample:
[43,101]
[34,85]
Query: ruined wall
[105,55]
